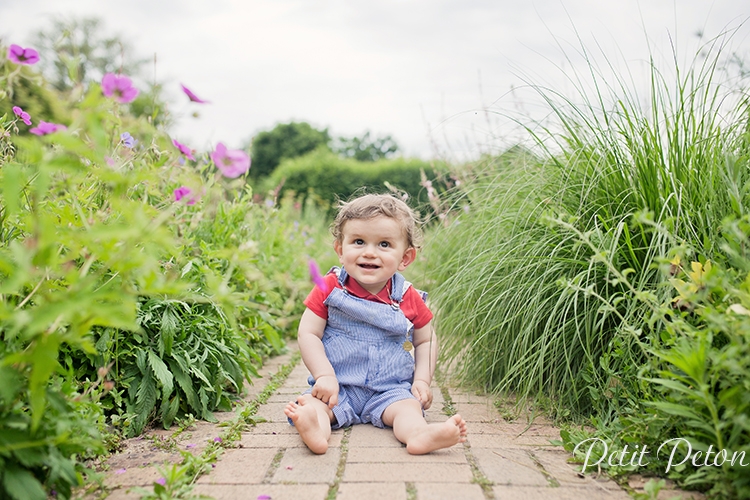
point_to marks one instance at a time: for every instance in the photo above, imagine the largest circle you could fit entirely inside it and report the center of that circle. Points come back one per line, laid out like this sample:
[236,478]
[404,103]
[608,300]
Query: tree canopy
[285,140]
[366,149]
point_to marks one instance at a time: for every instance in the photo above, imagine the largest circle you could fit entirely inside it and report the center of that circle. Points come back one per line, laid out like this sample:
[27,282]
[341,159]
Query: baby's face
[372,250]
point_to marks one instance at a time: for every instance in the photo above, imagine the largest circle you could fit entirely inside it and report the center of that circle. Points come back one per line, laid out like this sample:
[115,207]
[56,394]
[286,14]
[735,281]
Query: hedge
[328,178]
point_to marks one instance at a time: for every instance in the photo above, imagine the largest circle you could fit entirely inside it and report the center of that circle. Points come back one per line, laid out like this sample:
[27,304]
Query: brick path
[500,460]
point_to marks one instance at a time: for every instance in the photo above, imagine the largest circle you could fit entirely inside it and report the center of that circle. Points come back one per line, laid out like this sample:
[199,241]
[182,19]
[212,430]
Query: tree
[286,140]
[75,53]
[364,149]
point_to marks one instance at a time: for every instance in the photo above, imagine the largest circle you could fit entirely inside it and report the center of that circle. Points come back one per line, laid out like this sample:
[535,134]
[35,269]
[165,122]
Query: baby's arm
[309,336]
[425,357]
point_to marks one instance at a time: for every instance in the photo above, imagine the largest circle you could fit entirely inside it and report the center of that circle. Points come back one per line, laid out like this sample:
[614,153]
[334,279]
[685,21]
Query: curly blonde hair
[374,205]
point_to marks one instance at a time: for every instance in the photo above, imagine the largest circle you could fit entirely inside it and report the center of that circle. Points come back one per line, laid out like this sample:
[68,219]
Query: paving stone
[280,435]
[275,491]
[555,462]
[124,494]
[561,493]
[424,472]
[132,476]
[449,491]
[454,454]
[509,467]
[477,412]
[300,465]
[273,412]
[243,466]
[459,396]
[503,440]
[367,435]
[372,491]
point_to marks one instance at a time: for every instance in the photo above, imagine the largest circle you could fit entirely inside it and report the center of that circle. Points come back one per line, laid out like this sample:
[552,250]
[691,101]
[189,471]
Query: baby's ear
[409,256]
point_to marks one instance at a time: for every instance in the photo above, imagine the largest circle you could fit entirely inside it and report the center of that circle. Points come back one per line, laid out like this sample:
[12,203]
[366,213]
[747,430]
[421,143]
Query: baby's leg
[412,429]
[312,419]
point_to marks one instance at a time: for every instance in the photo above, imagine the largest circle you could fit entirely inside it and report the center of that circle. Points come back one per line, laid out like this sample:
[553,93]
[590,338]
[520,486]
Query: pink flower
[264,497]
[162,481]
[120,87]
[231,162]
[121,471]
[217,440]
[192,96]
[183,192]
[23,115]
[184,150]
[45,128]
[19,55]
[316,277]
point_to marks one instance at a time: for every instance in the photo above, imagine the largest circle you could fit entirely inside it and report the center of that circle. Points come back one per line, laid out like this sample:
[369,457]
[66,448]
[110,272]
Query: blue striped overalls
[364,341]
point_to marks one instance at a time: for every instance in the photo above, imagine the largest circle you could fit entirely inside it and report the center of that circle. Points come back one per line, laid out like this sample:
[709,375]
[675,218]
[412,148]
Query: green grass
[524,283]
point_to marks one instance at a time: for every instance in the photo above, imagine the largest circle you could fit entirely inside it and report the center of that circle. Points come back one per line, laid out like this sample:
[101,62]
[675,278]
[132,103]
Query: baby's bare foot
[306,422]
[438,436]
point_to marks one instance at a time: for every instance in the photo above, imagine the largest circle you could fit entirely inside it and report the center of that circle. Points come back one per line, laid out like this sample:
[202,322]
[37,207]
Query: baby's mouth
[369,266]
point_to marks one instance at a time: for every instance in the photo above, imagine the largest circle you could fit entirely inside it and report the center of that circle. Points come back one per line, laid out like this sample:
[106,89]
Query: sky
[442,77]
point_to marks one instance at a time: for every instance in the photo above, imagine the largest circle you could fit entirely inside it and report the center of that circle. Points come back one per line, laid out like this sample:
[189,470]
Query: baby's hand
[326,389]
[422,392]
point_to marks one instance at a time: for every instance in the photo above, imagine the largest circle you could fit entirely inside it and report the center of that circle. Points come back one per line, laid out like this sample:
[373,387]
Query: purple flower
[121,471]
[182,192]
[184,150]
[192,96]
[264,497]
[23,115]
[120,87]
[162,481]
[231,162]
[190,445]
[19,55]
[316,277]
[45,128]
[217,440]
[127,140]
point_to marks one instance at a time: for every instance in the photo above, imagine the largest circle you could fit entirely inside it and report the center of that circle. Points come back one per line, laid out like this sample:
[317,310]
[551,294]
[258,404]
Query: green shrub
[121,307]
[76,252]
[326,177]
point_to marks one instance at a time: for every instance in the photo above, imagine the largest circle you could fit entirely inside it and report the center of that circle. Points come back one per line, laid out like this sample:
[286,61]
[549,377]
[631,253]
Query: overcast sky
[422,71]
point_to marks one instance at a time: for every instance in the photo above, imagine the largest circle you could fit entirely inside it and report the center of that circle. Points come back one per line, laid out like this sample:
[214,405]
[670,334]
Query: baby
[359,330]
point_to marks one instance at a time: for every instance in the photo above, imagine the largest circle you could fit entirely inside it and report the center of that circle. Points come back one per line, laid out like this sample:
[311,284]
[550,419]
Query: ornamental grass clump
[525,286]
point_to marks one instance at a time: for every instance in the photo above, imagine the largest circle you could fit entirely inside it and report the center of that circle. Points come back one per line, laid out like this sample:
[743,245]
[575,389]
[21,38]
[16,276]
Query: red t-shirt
[412,304]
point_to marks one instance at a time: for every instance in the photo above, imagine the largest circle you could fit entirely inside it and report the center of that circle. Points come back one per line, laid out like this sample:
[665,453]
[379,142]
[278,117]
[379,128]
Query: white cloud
[410,68]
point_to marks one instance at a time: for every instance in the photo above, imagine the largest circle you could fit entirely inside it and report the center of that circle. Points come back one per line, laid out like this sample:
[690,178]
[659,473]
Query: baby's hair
[373,205]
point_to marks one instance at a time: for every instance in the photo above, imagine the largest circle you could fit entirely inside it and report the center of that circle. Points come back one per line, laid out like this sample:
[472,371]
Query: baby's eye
[359,241]
[384,244]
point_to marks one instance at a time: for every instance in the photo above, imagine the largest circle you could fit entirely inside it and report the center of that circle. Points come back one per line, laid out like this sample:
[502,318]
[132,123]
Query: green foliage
[366,149]
[327,178]
[21,86]
[120,307]
[553,283]
[284,141]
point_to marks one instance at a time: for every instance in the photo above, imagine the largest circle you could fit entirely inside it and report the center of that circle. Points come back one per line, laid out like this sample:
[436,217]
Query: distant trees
[286,140]
[291,140]
[75,52]
[366,149]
